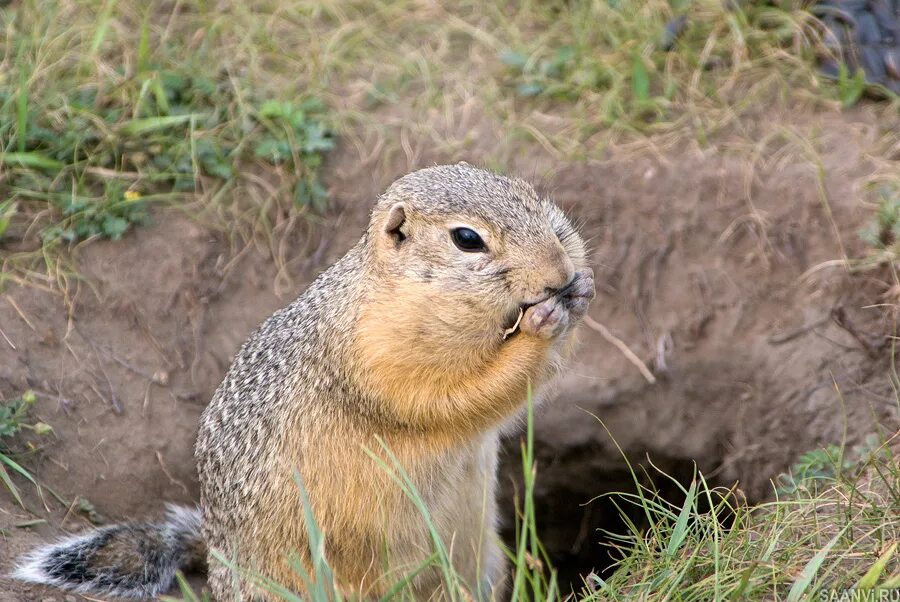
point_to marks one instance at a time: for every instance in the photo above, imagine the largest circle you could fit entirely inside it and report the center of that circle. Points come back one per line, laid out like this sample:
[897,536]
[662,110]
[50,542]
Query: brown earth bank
[715,267]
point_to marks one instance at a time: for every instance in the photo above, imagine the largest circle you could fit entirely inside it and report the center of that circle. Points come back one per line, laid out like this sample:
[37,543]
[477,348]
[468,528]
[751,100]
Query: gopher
[399,364]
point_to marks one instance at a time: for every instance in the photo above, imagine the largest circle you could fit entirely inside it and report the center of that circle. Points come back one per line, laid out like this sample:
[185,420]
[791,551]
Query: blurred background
[171,172]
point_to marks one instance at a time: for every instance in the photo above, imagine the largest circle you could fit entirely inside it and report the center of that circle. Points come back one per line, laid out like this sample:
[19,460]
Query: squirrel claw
[580,294]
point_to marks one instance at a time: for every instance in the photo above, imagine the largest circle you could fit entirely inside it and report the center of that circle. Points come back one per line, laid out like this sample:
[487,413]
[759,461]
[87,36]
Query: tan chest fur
[374,532]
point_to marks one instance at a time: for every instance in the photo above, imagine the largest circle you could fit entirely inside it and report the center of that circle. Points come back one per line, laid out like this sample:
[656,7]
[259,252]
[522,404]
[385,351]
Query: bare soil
[702,261]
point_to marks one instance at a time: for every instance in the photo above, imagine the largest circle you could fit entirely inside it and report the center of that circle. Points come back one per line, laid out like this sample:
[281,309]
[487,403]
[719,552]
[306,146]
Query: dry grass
[90,142]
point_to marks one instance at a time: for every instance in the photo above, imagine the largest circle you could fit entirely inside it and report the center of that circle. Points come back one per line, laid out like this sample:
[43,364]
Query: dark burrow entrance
[575,517]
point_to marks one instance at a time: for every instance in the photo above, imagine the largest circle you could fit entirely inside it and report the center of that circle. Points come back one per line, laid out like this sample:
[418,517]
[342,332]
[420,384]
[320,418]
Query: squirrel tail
[128,560]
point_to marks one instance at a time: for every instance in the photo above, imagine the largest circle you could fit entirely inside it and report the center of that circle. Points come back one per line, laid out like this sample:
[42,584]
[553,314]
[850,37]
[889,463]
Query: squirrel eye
[467,240]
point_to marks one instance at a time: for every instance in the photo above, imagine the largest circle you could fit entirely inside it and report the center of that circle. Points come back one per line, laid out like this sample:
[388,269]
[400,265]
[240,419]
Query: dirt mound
[700,260]
[700,270]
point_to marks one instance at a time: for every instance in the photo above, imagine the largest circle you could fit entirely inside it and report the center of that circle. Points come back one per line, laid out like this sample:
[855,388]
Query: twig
[112,173]
[69,512]
[839,316]
[20,312]
[784,337]
[7,340]
[63,402]
[114,400]
[166,472]
[158,378]
[622,347]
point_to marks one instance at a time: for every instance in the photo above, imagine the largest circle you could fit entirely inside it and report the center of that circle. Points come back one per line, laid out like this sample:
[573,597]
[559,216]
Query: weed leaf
[640,80]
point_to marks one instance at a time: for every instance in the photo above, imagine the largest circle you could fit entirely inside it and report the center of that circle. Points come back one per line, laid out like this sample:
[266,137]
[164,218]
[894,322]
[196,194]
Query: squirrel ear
[393,225]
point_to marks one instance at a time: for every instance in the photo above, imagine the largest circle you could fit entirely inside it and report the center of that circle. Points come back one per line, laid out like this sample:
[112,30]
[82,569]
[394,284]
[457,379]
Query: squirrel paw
[579,294]
[546,319]
[551,317]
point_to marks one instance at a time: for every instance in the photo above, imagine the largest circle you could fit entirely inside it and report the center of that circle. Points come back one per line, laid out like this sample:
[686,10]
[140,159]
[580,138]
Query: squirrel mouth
[515,319]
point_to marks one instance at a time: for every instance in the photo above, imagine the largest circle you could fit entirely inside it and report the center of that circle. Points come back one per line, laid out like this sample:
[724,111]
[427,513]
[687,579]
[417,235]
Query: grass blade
[159,94]
[810,570]
[102,27]
[269,585]
[32,159]
[323,587]
[597,580]
[640,80]
[745,581]
[187,593]
[7,211]
[146,125]
[871,577]
[15,466]
[22,109]
[401,478]
[4,476]
[680,530]
[404,583]
[143,50]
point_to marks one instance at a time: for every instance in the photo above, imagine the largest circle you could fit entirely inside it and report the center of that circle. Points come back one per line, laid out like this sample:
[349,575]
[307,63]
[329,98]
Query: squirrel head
[475,241]
[455,254]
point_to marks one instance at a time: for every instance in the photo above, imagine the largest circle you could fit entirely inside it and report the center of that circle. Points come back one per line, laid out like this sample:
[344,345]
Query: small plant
[13,420]
[883,231]
[850,88]
[565,74]
[86,150]
[547,76]
[295,133]
[811,469]
[834,536]
[650,63]
[173,132]
[822,467]
[108,216]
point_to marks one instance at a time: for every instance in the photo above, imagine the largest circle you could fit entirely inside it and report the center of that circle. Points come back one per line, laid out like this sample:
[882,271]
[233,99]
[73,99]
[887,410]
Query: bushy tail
[128,561]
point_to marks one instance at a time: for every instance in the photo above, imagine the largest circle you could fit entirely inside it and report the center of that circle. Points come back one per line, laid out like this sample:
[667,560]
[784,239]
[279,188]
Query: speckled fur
[126,561]
[400,341]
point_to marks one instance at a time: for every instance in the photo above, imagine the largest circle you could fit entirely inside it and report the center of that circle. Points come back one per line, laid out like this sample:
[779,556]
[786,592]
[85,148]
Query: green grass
[109,108]
[14,419]
[835,531]
[105,118]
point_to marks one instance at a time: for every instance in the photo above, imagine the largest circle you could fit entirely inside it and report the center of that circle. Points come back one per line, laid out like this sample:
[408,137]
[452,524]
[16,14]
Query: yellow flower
[132,195]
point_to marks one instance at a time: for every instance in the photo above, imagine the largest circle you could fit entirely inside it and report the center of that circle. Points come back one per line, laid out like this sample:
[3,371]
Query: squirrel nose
[560,271]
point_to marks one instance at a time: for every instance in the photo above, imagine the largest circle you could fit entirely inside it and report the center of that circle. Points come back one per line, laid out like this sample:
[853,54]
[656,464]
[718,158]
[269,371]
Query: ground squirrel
[459,298]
